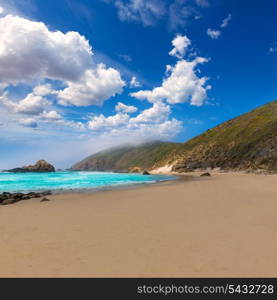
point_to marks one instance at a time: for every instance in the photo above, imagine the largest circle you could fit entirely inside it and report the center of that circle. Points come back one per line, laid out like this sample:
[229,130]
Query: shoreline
[219,226]
[100,188]
[176,177]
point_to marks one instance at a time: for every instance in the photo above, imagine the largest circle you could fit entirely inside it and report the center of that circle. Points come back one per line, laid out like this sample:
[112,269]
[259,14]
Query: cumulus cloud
[181,85]
[213,34]
[32,104]
[226,21]
[180,45]
[29,50]
[101,122]
[134,82]
[158,113]
[125,108]
[93,88]
[28,123]
[50,115]
[153,122]
[43,90]
[1,10]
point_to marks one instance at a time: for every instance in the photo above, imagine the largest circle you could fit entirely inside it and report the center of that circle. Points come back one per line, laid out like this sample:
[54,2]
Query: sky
[80,76]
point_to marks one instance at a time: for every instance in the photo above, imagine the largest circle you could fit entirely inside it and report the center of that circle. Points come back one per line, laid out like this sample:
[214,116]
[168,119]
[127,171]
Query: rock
[44,200]
[181,168]
[7,194]
[9,198]
[9,201]
[145,173]
[46,193]
[205,174]
[135,170]
[34,195]
[3,197]
[17,196]
[40,166]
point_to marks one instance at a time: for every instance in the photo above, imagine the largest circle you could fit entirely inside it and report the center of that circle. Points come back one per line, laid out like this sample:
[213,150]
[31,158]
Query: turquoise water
[15,182]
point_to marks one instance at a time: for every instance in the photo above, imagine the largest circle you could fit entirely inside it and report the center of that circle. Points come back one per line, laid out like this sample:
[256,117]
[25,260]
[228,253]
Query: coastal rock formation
[135,170]
[40,166]
[145,173]
[205,174]
[247,142]
[44,200]
[181,168]
[10,198]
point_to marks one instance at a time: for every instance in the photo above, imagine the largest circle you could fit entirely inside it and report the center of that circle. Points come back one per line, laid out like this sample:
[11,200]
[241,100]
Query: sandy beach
[219,226]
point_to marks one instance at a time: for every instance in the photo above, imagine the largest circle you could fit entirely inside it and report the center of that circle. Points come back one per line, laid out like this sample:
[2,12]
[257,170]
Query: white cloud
[43,90]
[101,122]
[136,132]
[50,115]
[125,108]
[28,123]
[134,82]
[181,85]
[181,11]
[149,12]
[32,104]
[93,88]
[180,44]
[1,10]
[152,123]
[158,113]
[145,11]
[226,21]
[213,34]
[30,50]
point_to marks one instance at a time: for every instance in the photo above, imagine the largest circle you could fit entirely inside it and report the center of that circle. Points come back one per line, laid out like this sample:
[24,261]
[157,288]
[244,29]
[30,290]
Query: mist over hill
[247,142]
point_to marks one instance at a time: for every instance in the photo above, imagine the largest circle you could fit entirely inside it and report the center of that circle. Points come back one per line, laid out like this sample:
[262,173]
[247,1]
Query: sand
[222,226]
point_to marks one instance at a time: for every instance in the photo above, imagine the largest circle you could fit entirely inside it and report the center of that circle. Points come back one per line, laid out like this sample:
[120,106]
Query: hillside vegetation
[247,142]
[127,158]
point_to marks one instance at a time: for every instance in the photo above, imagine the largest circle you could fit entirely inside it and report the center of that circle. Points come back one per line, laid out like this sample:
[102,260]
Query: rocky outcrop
[40,166]
[135,170]
[181,168]
[205,174]
[44,200]
[10,198]
[145,173]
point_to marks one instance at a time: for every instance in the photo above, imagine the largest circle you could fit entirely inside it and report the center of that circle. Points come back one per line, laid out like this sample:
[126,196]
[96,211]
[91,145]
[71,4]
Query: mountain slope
[247,142]
[126,157]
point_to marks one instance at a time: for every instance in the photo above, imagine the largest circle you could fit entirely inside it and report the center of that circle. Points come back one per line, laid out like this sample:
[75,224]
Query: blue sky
[79,76]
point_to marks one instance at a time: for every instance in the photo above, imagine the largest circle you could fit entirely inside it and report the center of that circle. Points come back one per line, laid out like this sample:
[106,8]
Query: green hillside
[126,157]
[248,142]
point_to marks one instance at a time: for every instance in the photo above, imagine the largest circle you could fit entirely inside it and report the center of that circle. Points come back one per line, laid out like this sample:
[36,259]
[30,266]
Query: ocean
[67,180]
